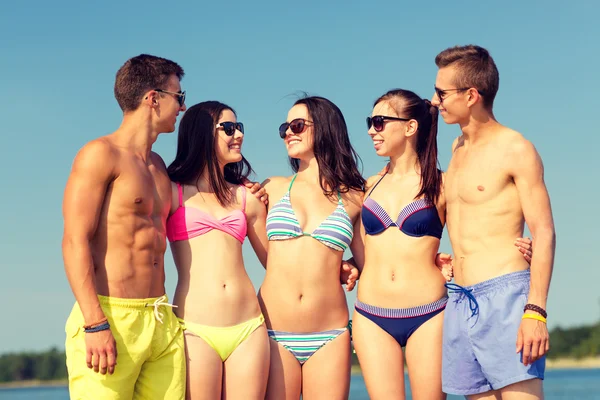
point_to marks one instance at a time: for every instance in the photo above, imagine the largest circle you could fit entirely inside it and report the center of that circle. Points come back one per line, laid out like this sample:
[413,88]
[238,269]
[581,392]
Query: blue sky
[59,60]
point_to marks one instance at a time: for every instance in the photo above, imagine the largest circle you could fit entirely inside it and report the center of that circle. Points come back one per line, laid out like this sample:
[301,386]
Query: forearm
[542,263]
[352,261]
[79,268]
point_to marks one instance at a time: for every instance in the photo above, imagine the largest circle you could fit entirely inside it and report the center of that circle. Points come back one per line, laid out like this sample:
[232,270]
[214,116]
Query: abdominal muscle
[213,287]
[302,290]
[483,242]
[400,271]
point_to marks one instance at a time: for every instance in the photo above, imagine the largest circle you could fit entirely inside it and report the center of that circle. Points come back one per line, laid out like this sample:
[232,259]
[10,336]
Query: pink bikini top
[188,222]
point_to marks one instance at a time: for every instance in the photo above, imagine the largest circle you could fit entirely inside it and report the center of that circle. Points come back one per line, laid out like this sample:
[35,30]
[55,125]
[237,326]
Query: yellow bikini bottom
[223,339]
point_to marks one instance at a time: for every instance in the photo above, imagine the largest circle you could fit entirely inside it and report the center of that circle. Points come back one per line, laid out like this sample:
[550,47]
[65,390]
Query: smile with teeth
[293,142]
[236,146]
[377,142]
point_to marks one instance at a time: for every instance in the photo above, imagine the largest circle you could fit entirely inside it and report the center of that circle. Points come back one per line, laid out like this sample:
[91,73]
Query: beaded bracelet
[535,308]
[534,316]
[98,328]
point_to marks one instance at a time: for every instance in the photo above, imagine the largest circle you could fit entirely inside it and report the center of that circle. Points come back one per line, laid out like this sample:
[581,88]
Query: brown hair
[409,105]
[196,151]
[140,74]
[475,68]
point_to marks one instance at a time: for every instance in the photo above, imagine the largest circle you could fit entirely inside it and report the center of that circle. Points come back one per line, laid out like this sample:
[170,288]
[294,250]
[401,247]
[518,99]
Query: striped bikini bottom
[304,345]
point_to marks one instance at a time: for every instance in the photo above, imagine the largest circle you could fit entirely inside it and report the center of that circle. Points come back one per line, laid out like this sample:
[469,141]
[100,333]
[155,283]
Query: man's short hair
[140,74]
[475,68]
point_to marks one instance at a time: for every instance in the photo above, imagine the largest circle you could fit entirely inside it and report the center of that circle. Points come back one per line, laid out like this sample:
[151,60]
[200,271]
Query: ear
[473,97]
[411,127]
[151,99]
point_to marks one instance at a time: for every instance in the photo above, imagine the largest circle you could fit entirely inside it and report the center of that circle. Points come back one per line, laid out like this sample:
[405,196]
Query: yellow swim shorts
[150,352]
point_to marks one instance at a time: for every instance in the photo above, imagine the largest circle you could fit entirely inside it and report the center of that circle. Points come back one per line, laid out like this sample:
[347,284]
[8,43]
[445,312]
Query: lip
[377,144]
[292,142]
[236,147]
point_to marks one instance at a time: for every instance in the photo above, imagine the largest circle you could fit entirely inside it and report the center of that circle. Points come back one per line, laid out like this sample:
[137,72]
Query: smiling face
[300,145]
[452,101]
[392,139]
[228,148]
[168,107]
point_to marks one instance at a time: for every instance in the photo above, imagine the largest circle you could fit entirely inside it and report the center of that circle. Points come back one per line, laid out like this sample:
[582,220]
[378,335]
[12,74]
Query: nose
[183,107]
[238,134]
[435,100]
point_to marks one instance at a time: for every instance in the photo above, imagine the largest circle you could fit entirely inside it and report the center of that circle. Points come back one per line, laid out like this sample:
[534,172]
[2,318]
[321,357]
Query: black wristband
[537,309]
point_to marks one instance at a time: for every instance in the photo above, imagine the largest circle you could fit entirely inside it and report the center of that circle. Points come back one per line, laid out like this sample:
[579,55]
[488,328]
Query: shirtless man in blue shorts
[495,334]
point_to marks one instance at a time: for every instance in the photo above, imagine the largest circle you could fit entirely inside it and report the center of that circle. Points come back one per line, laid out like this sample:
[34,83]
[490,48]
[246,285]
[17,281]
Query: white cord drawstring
[161,301]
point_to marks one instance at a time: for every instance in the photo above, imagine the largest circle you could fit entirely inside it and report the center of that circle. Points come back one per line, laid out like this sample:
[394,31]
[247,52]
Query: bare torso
[213,287]
[129,243]
[399,270]
[484,214]
[302,290]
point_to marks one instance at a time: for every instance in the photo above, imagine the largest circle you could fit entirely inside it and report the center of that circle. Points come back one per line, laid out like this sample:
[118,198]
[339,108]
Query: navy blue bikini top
[418,218]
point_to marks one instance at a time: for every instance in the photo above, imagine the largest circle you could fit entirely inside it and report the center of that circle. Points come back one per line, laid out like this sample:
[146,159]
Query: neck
[309,171]
[136,134]
[479,126]
[404,163]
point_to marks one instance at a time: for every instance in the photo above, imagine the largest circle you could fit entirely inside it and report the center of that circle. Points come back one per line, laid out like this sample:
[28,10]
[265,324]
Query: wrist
[532,308]
[539,301]
[97,328]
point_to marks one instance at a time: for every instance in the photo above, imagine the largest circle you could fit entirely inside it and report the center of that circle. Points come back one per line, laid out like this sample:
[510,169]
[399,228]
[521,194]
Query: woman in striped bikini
[402,297]
[309,225]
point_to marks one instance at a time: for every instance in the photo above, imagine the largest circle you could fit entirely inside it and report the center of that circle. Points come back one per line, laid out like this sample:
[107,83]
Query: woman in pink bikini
[227,348]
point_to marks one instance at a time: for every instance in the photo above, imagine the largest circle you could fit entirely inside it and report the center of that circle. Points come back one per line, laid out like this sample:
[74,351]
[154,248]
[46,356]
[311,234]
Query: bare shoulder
[371,181]
[98,155]
[353,197]
[276,183]
[516,145]
[157,160]
[519,153]
[457,143]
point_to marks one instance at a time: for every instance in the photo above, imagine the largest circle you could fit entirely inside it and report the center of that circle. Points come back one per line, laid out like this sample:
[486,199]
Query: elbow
[546,235]
[71,241]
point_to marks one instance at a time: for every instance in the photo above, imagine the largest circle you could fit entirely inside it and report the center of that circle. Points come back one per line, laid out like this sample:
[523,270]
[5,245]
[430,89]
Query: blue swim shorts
[481,323]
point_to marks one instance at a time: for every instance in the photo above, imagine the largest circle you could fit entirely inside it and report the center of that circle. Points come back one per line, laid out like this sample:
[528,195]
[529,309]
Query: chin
[234,160]
[449,119]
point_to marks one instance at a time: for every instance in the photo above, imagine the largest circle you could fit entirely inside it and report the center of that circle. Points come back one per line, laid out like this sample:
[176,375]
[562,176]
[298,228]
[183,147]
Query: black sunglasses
[296,126]
[378,121]
[180,95]
[442,93]
[231,127]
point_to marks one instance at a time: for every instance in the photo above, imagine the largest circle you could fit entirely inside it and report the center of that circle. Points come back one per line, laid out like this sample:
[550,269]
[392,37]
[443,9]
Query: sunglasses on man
[180,95]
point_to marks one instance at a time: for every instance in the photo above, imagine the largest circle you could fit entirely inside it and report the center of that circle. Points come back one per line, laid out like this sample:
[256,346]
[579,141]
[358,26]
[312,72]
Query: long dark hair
[337,160]
[409,105]
[196,151]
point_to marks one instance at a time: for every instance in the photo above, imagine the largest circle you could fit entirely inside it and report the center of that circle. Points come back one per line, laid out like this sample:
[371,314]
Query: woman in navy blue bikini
[401,296]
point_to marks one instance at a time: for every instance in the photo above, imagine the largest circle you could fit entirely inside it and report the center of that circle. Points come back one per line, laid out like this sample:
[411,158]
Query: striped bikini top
[335,231]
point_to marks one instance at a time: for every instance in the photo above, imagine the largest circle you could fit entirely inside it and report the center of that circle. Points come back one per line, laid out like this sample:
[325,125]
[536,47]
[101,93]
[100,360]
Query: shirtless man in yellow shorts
[116,202]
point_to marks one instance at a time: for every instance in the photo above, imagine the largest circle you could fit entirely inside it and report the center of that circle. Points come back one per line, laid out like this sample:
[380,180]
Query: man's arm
[528,174]
[84,194]
[91,174]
